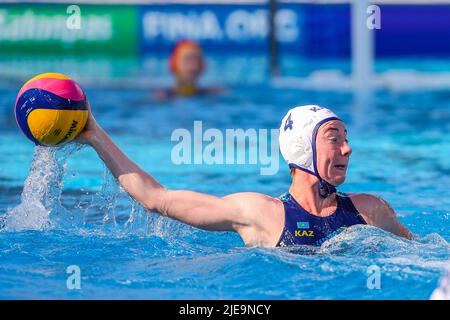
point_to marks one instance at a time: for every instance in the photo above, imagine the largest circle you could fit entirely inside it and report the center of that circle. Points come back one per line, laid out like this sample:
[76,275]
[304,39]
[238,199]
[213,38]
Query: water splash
[41,191]
[118,214]
[366,241]
[109,211]
[442,292]
[102,208]
[114,212]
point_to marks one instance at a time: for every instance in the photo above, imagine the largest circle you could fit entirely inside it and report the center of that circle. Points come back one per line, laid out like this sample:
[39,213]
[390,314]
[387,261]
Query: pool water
[60,208]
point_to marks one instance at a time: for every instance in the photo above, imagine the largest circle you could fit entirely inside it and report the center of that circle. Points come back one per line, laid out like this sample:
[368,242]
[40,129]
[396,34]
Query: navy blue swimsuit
[304,228]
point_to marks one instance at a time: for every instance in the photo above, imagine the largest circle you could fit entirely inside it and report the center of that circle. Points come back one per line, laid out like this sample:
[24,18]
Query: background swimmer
[186,63]
[314,138]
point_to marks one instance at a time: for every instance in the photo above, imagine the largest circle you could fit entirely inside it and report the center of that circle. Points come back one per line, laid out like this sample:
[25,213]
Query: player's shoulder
[256,207]
[365,198]
[252,198]
[261,215]
[372,207]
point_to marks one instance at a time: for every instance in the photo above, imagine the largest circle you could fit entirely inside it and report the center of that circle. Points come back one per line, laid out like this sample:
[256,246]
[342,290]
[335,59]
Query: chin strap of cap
[325,189]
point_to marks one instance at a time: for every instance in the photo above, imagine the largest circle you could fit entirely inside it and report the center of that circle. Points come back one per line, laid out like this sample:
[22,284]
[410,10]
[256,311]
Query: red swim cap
[180,45]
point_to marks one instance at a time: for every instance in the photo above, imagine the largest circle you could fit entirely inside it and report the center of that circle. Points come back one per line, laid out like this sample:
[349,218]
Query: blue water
[62,207]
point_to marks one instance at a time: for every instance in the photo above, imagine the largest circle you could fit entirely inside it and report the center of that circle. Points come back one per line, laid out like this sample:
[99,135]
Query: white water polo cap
[298,132]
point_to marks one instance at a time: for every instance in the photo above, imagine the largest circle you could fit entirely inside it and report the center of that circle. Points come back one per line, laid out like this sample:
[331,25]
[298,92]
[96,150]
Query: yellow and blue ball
[51,109]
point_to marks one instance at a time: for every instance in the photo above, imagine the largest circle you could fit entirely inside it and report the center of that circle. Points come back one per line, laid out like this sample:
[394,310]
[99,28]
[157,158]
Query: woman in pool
[186,63]
[313,140]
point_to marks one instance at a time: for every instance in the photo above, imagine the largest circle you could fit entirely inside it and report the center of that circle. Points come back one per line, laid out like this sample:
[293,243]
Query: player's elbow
[156,200]
[148,194]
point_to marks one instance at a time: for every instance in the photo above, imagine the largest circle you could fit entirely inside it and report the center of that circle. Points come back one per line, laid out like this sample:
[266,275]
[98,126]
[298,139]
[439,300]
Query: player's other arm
[377,212]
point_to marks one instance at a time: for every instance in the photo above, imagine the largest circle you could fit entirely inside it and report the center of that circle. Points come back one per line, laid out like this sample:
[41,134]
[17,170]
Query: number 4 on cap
[288,124]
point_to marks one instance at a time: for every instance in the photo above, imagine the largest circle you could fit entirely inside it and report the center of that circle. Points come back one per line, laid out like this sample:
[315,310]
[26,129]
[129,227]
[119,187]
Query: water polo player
[313,140]
[186,63]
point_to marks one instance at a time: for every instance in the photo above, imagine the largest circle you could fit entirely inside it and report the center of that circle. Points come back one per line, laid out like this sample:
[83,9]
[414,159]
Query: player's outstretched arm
[230,213]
